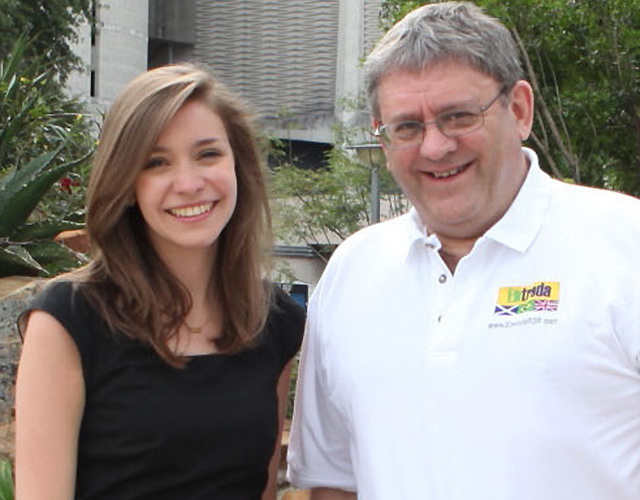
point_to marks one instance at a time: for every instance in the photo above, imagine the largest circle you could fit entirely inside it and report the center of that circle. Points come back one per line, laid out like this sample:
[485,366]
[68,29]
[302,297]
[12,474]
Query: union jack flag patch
[541,296]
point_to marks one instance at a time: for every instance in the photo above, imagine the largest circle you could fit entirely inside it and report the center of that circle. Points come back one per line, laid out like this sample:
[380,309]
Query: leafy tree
[391,11]
[35,115]
[324,206]
[51,24]
[582,58]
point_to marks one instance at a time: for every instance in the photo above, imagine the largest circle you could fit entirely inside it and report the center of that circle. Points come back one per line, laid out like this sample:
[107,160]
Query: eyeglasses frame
[379,129]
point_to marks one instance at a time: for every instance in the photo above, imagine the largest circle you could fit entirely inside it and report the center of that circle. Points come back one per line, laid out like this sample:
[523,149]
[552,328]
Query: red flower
[66,183]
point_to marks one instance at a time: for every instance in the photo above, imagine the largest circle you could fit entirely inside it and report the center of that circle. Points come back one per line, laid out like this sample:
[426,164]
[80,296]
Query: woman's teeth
[190,211]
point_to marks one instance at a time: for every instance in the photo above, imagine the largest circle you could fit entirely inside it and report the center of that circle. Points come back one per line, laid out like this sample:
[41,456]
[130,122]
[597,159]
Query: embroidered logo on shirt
[541,296]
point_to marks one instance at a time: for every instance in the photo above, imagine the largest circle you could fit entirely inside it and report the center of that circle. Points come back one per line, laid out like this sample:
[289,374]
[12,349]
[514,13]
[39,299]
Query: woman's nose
[187,178]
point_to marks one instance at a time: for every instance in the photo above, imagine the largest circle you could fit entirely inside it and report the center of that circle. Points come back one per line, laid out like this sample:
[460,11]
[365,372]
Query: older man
[485,345]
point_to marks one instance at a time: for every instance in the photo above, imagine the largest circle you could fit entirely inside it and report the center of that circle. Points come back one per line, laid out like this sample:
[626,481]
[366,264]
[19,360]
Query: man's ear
[521,105]
[375,123]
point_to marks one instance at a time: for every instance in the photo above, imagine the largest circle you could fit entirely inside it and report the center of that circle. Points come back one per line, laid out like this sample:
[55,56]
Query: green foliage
[325,206]
[391,11]
[6,481]
[291,390]
[583,59]
[584,56]
[321,207]
[51,24]
[331,200]
[28,248]
[34,112]
[43,136]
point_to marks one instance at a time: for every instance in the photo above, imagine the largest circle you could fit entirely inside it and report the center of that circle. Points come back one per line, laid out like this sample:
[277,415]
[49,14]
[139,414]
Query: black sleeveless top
[150,431]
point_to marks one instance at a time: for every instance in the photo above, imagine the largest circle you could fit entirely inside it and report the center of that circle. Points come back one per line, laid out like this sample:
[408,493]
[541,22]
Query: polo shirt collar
[417,235]
[520,225]
[517,228]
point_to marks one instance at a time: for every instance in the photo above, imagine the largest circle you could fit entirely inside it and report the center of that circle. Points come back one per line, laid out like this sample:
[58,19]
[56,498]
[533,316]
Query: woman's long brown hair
[127,281]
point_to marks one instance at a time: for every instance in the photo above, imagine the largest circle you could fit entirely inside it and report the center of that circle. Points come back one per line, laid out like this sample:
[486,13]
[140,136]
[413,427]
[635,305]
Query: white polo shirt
[516,379]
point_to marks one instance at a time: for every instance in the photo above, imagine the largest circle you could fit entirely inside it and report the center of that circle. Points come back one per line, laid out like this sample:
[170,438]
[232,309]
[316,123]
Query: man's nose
[435,145]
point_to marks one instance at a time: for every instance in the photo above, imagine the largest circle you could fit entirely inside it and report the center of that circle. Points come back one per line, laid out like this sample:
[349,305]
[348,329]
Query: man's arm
[331,494]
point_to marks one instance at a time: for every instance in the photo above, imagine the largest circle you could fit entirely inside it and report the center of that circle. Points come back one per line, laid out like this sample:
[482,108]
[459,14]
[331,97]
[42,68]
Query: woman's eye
[154,162]
[210,153]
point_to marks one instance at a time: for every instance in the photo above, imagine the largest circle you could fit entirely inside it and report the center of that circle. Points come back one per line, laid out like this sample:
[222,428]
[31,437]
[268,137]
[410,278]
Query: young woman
[160,370]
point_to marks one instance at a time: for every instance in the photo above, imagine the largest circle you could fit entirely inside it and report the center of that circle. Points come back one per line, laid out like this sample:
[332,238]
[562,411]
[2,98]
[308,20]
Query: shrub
[44,136]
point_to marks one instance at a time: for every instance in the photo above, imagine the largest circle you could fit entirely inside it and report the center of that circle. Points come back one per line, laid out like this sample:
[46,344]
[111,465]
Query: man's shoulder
[596,202]
[396,230]
[607,220]
[370,250]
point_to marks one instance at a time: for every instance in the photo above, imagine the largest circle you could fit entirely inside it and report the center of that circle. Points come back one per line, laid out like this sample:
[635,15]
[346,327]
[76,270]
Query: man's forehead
[433,89]
[433,73]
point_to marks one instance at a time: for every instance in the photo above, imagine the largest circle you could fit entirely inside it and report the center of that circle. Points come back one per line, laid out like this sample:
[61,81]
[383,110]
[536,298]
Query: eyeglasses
[452,123]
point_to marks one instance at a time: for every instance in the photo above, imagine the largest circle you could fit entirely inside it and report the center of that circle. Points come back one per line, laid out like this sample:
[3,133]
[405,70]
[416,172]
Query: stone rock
[15,294]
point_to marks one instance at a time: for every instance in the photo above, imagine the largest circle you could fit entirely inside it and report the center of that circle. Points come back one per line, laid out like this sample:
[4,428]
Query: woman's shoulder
[66,301]
[285,323]
[283,306]
[58,296]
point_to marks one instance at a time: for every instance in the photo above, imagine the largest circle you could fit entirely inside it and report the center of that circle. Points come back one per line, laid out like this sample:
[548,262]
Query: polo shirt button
[442,278]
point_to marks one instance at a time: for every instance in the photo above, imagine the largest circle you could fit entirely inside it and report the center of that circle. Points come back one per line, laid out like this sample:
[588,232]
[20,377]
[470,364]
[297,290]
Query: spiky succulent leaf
[16,260]
[6,177]
[54,257]
[44,229]
[6,481]
[26,186]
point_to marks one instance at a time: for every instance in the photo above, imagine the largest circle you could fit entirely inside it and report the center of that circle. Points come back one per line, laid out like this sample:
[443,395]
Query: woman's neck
[203,322]
[194,269]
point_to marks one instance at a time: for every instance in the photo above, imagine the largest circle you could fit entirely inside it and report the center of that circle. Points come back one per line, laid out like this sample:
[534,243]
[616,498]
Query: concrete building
[296,61]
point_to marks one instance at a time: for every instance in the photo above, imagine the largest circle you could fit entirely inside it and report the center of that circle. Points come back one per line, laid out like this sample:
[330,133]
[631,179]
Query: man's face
[460,186]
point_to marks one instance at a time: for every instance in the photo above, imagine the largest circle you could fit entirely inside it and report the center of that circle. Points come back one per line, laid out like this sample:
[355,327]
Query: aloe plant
[6,481]
[33,113]
[28,248]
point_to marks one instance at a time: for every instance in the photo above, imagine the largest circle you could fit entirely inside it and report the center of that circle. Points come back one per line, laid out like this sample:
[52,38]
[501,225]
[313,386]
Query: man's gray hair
[447,31]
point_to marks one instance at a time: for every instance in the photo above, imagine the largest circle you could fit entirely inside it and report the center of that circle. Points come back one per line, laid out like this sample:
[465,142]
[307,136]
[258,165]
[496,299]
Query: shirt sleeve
[64,301]
[287,323]
[319,445]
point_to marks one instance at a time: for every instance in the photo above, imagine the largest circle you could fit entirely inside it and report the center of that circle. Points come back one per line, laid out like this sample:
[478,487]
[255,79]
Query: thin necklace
[195,329]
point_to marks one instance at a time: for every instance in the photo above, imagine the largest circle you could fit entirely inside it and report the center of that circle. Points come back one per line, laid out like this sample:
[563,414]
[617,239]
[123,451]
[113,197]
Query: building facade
[295,61]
